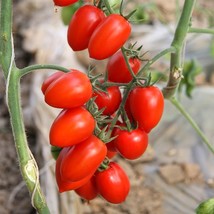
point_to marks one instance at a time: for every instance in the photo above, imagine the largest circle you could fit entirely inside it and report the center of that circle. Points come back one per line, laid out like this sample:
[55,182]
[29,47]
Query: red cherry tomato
[109,37]
[63,3]
[110,100]
[70,90]
[147,105]
[117,69]
[72,126]
[51,79]
[113,183]
[88,191]
[82,25]
[67,185]
[83,159]
[131,145]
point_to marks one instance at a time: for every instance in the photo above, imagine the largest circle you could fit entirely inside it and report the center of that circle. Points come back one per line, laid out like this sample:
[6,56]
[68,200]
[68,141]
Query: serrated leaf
[206,207]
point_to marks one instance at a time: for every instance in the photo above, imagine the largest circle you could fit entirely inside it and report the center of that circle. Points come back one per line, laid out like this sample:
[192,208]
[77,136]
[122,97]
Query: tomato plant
[82,25]
[113,183]
[88,191]
[109,36]
[63,3]
[70,90]
[147,105]
[71,127]
[109,100]
[131,144]
[83,159]
[118,70]
[79,143]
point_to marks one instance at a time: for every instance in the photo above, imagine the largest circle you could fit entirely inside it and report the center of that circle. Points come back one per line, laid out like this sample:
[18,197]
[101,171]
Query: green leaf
[206,207]
[190,71]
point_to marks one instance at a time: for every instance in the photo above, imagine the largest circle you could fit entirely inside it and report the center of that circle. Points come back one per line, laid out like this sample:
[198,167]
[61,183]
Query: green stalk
[175,102]
[27,162]
[28,165]
[31,68]
[201,30]
[6,47]
[176,61]
[110,10]
[127,63]
[154,59]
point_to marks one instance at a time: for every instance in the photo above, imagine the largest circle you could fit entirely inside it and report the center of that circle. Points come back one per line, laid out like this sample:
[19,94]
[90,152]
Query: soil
[144,197]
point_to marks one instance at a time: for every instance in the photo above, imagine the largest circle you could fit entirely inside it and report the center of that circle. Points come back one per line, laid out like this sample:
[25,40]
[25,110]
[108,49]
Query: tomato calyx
[104,165]
[55,150]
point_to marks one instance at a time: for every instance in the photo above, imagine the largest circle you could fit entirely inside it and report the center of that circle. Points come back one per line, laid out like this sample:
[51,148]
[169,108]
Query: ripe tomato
[83,159]
[71,127]
[117,69]
[109,37]
[88,191]
[82,25]
[147,105]
[67,185]
[70,90]
[113,183]
[51,79]
[63,3]
[131,145]
[109,100]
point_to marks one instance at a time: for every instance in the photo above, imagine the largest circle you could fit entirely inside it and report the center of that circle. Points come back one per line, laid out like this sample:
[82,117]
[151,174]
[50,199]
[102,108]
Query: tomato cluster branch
[176,61]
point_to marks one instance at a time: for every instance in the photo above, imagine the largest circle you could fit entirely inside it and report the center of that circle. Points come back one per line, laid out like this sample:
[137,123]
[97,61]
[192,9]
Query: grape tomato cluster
[98,118]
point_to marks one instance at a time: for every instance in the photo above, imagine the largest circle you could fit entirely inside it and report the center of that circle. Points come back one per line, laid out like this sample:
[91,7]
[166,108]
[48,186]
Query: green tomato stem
[181,109]
[28,165]
[127,63]
[176,61]
[6,41]
[110,10]
[201,30]
[154,59]
[31,68]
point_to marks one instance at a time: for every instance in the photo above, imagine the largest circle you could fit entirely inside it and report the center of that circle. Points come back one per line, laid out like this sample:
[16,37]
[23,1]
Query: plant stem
[201,30]
[155,58]
[6,47]
[176,61]
[127,63]
[27,162]
[110,10]
[28,165]
[31,68]
[175,102]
